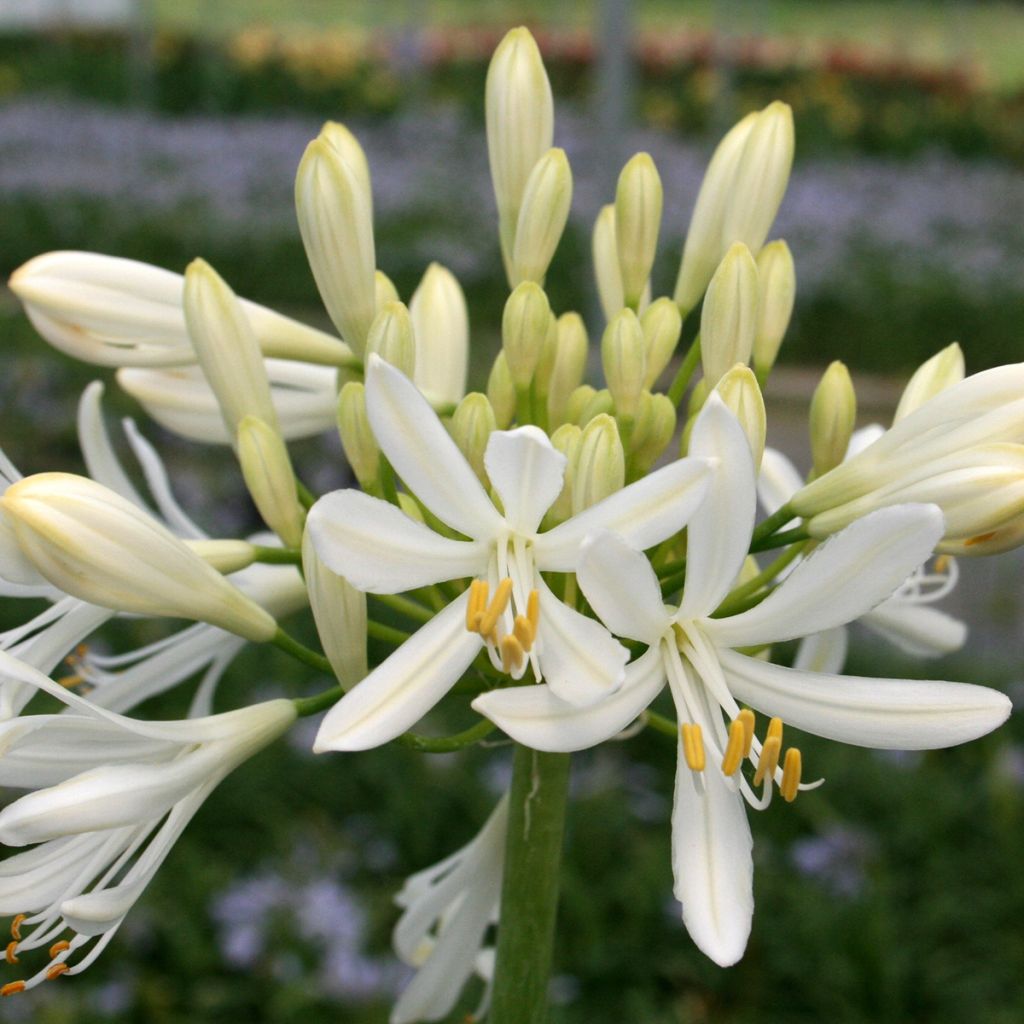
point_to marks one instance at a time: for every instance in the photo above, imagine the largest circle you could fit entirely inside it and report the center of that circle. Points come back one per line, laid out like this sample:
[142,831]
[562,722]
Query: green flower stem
[277,556]
[780,540]
[659,723]
[388,634]
[529,894]
[770,525]
[306,497]
[447,744]
[408,607]
[388,486]
[681,381]
[309,657]
[738,596]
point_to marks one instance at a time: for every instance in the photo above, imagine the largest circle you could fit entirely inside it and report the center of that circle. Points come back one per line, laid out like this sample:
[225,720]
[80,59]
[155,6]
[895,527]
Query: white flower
[700,657]
[381,550]
[447,909]
[110,796]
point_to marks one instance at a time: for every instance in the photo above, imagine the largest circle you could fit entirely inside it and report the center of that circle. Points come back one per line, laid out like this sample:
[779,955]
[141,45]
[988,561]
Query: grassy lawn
[989,35]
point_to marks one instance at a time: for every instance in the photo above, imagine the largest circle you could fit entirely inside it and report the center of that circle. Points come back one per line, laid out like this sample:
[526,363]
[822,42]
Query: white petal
[777,481]
[718,534]
[823,652]
[861,439]
[379,549]
[622,588]
[580,660]
[534,716]
[424,455]
[404,687]
[891,714]
[101,462]
[644,513]
[712,863]
[920,631]
[846,577]
[527,471]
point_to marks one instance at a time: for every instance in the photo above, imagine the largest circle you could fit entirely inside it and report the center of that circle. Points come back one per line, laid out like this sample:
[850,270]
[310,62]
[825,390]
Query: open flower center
[486,615]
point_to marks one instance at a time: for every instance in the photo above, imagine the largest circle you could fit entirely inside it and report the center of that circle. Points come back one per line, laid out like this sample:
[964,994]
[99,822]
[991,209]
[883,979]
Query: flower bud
[440,324]
[339,611]
[542,217]
[524,327]
[384,289]
[655,425]
[268,474]
[579,401]
[565,439]
[392,339]
[624,361]
[729,316]
[471,428]
[833,414]
[224,555]
[742,397]
[99,547]
[943,370]
[226,348]
[605,254]
[776,288]
[336,222]
[501,392]
[598,404]
[357,438]
[638,201]
[346,145]
[569,365]
[600,465]
[520,125]
[662,326]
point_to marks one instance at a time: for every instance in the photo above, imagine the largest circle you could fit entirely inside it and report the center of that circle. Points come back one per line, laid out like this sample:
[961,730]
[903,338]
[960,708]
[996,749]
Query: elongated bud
[336,222]
[339,611]
[833,414]
[97,546]
[116,312]
[356,436]
[501,392]
[600,464]
[471,427]
[579,401]
[565,439]
[384,289]
[942,371]
[605,253]
[729,317]
[776,287]
[268,474]
[226,347]
[638,201]
[546,363]
[662,326]
[346,145]
[624,360]
[223,554]
[569,366]
[703,249]
[524,327]
[440,323]
[655,425]
[741,394]
[520,125]
[598,404]
[542,216]
[392,339]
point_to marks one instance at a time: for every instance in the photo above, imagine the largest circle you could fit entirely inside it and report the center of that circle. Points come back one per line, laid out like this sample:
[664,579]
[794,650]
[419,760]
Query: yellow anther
[775,730]
[56,971]
[942,563]
[511,653]
[12,988]
[791,775]
[746,716]
[524,632]
[533,610]
[476,604]
[58,947]
[733,756]
[495,609]
[16,926]
[12,948]
[980,539]
[693,746]
[69,681]
[769,759]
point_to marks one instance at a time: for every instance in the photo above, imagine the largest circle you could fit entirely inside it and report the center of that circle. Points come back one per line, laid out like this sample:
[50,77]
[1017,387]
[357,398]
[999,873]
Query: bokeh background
[165,129]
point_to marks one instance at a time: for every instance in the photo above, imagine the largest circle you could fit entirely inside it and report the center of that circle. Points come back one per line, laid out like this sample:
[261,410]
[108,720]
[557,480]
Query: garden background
[165,129]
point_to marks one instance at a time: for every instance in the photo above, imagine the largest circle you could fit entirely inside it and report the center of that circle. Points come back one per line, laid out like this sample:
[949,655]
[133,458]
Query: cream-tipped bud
[520,125]
[942,371]
[605,254]
[598,404]
[542,217]
[776,286]
[638,202]
[268,474]
[501,392]
[339,611]
[624,360]
[655,425]
[524,328]
[347,147]
[335,216]
[226,347]
[384,289]
[741,394]
[579,401]
[97,546]
[392,339]
[569,366]
[472,425]
[729,317]
[565,439]
[357,438]
[600,468]
[225,555]
[832,418]
[440,323]
[662,326]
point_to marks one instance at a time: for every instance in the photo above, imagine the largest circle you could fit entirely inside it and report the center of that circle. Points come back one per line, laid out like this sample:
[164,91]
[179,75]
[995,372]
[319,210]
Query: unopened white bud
[501,392]
[605,254]
[472,425]
[655,425]
[579,400]
[942,371]
[565,439]
[662,326]
[440,323]
[223,554]
[599,403]
[833,416]
[524,327]
[638,202]
[569,366]
[729,317]
[268,474]
[542,217]
[392,339]
[384,289]
[600,465]
[348,148]
[624,361]
[776,285]
[357,438]
[741,394]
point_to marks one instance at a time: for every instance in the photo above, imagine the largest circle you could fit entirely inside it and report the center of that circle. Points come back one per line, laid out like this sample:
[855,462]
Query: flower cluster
[563,552]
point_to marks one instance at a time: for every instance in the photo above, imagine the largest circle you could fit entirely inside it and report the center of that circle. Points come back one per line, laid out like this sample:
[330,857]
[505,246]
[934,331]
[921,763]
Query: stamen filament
[791,775]
[693,746]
